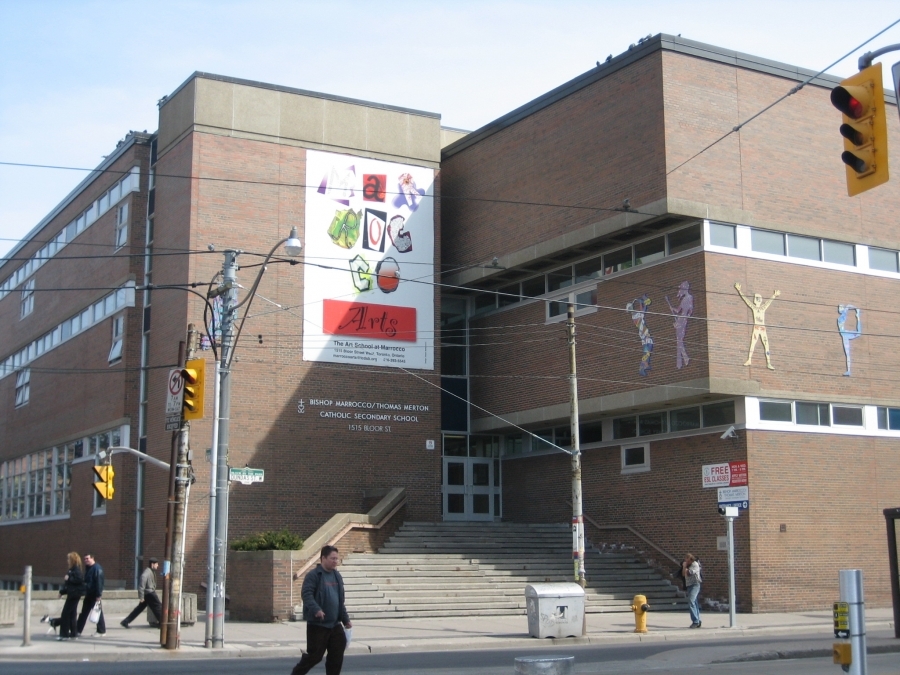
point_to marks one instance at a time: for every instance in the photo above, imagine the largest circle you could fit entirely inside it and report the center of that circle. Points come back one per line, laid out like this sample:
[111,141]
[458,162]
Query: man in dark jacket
[93,589]
[147,594]
[325,615]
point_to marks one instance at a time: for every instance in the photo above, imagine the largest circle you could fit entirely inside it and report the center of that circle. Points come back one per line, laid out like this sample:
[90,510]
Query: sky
[77,75]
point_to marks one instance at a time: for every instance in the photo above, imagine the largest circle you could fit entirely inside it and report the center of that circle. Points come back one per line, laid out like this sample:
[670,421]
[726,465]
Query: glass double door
[471,478]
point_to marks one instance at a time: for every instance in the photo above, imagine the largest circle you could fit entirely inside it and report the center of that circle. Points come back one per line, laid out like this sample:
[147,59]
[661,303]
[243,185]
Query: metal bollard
[545,665]
[640,608]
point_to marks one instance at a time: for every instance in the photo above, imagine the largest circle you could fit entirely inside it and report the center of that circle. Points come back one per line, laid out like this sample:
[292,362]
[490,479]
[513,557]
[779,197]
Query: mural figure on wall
[847,334]
[638,308]
[759,322]
[682,313]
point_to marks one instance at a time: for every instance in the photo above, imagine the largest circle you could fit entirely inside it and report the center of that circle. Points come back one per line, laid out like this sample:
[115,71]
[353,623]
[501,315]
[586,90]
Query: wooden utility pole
[577,505]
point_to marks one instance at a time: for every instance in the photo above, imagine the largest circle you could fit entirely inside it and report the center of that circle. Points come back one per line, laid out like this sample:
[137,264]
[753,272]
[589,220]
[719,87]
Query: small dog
[54,622]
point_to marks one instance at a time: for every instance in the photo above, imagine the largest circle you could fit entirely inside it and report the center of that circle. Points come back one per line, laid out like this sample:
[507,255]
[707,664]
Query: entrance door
[468,488]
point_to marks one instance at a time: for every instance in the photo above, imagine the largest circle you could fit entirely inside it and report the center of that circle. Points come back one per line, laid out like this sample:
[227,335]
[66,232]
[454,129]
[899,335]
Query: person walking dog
[325,615]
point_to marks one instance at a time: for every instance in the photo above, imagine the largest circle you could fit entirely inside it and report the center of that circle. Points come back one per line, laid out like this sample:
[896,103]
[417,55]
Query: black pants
[68,625]
[150,600]
[318,641]
[89,601]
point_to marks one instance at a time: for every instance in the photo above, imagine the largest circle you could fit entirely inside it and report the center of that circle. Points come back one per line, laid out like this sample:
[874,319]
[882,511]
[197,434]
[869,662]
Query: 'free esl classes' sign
[727,474]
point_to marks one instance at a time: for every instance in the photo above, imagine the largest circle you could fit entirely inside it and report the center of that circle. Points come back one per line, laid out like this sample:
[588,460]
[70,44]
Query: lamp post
[218,515]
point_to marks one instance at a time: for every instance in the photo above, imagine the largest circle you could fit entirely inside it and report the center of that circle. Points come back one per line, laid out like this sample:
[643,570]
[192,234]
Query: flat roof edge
[658,42]
[93,174]
[292,90]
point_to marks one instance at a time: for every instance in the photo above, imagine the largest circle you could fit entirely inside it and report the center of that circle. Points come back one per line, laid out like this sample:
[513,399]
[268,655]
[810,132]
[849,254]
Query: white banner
[369,252]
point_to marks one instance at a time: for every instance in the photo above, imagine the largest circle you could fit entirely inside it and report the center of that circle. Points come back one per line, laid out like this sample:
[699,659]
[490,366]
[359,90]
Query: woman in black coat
[73,589]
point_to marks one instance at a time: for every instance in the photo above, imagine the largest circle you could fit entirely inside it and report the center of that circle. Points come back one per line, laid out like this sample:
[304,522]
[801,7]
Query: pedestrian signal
[105,487]
[193,374]
[861,101]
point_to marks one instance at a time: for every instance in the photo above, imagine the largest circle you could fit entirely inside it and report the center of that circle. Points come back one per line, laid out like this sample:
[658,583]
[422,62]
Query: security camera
[728,511]
[729,433]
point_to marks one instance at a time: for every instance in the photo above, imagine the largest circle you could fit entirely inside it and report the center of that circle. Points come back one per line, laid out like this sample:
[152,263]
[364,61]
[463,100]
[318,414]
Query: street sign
[246,475]
[174,399]
[735,496]
[841,613]
[726,474]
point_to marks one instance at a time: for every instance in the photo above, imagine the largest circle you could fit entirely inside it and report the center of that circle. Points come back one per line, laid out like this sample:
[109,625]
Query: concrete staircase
[481,569]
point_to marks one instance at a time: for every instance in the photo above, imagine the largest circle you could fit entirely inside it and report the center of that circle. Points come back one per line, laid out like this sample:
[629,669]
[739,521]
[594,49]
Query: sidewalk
[415,635]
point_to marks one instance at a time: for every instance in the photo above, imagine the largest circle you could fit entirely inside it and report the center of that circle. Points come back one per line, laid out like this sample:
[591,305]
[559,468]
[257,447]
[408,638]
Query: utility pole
[170,519]
[172,630]
[577,506]
[229,310]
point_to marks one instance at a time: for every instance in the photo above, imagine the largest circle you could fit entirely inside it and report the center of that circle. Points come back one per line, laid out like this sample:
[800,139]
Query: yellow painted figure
[759,323]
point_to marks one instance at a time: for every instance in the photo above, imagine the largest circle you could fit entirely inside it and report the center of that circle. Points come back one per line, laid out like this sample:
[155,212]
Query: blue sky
[76,76]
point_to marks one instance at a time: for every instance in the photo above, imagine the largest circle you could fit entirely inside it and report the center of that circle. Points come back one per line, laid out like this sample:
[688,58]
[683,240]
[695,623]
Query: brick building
[592,194]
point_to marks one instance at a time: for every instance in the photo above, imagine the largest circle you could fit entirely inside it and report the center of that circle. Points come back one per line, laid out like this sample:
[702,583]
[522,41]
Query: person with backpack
[690,570]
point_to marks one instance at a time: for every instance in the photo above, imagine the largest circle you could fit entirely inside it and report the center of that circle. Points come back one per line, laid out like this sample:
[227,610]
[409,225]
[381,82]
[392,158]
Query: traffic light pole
[229,309]
[172,630]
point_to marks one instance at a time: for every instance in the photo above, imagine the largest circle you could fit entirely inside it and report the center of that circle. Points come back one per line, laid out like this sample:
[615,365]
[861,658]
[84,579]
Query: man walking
[93,581]
[325,615]
[147,594]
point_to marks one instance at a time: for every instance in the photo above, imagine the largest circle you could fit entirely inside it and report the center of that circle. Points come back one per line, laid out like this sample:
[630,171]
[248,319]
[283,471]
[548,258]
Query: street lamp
[218,507]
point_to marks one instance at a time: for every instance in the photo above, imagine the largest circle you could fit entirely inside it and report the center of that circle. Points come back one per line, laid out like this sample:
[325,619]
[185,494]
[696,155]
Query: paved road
[664,659]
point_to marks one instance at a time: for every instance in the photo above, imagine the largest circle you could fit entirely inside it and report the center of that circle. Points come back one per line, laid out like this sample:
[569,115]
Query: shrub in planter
[269,541]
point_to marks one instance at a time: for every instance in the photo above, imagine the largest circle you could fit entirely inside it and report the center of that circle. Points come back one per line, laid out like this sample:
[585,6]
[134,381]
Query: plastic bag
[94,616]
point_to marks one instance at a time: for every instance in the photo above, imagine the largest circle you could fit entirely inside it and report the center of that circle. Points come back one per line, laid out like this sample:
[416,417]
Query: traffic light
[861,100]
[105,487]
[193,374]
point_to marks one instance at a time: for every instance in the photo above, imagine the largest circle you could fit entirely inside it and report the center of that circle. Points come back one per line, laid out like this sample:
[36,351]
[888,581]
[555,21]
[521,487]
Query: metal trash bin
[555,610]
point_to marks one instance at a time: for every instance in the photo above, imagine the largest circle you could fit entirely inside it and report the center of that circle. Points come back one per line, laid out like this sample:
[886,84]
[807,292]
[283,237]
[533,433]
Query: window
[23,387]
[635,458]
[722,235]
[617,261]
[485,301]
[839,252]
[118,337]
[588,269]
[648,251]
[27,305]
[850,416]
[590,433]
[624,427]
[881,259]
[654,423]
[813,413]
[685,419]
[531,288]
[685,239]
[803,247]
[559,279]
[775,411]
[717,414]
[889,418]
[508,295]
[585,302]
[122,225]
[764,241]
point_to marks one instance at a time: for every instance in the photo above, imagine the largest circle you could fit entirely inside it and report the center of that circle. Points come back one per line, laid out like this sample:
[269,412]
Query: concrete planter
[9,608]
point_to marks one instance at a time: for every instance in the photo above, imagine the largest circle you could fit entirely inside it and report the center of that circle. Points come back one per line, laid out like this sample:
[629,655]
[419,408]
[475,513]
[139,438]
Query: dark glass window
[531,288]
[775,411]
[508,295]
[485,301]
[590,433]
[851,417]
[648,251]
[686,239]
[654,423]
[716,414]
[454,412]
[586,299]
[557,308]
[589,269]
[813,413]
[625,427]
[559,279]
[685,419]
[617,261]
[635,456]
[839,252]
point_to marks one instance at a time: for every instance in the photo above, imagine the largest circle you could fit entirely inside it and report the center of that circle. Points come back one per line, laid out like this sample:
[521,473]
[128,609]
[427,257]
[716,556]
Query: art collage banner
[369,253]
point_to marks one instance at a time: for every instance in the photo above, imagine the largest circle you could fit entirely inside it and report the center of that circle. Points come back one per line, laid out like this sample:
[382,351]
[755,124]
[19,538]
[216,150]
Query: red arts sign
[738,473]
[363,320]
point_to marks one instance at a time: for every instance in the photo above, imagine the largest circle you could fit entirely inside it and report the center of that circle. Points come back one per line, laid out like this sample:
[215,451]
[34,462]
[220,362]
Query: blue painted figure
[846,334]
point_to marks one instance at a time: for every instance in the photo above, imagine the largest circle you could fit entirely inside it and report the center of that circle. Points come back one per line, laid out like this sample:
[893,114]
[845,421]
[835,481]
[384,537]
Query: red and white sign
[363,320]
[727,474]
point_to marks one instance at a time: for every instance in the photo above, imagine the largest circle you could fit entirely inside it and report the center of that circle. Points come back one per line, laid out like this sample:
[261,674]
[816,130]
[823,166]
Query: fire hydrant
[640,608]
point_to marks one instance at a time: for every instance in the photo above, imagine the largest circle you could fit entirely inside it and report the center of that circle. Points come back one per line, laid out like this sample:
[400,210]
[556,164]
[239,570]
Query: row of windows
[631,426]
[817,414]
[91,315]
[84,220]
[806,248]
[640,253]
[38,485]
